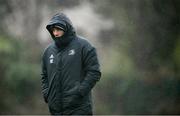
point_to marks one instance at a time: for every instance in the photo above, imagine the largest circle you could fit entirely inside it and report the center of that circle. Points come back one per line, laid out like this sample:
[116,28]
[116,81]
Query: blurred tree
[8,51]
[145,37]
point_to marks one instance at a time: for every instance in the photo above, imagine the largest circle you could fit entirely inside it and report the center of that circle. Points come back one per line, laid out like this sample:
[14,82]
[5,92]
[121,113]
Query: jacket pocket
[73,89]
[71,98]
[73,101]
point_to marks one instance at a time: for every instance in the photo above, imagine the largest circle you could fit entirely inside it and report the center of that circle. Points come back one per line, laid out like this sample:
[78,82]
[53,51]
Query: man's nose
[55,33]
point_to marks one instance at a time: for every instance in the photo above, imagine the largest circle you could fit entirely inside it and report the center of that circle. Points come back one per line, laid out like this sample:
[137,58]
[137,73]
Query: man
[70,69]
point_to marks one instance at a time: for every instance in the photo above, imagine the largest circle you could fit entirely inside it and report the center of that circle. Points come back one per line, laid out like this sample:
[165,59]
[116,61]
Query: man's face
[57,32]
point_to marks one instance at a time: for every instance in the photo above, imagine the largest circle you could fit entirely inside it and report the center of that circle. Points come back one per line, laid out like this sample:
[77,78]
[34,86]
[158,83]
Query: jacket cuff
[45,95]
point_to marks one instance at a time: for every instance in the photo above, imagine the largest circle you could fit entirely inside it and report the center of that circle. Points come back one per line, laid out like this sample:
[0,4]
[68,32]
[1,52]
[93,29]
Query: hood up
[63,20]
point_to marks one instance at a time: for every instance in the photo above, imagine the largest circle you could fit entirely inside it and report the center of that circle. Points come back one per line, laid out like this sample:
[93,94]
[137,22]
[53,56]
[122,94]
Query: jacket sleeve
[44,80]
[92,69]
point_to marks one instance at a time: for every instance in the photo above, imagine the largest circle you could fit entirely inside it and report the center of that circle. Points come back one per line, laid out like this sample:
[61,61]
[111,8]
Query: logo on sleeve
[71,52]
[51,59]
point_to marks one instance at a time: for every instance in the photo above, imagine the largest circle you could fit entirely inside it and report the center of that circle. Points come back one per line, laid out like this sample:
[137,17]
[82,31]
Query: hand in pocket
[75,101]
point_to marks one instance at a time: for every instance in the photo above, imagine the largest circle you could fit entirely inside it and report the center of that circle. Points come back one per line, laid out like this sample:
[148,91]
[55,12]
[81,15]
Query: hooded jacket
[69,71]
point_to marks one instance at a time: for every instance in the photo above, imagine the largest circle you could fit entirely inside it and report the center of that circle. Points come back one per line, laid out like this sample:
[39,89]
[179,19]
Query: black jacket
[69,72]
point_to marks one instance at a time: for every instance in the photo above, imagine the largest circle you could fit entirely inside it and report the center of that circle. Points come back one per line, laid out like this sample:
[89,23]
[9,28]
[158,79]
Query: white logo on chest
[71,52]
[51,59]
